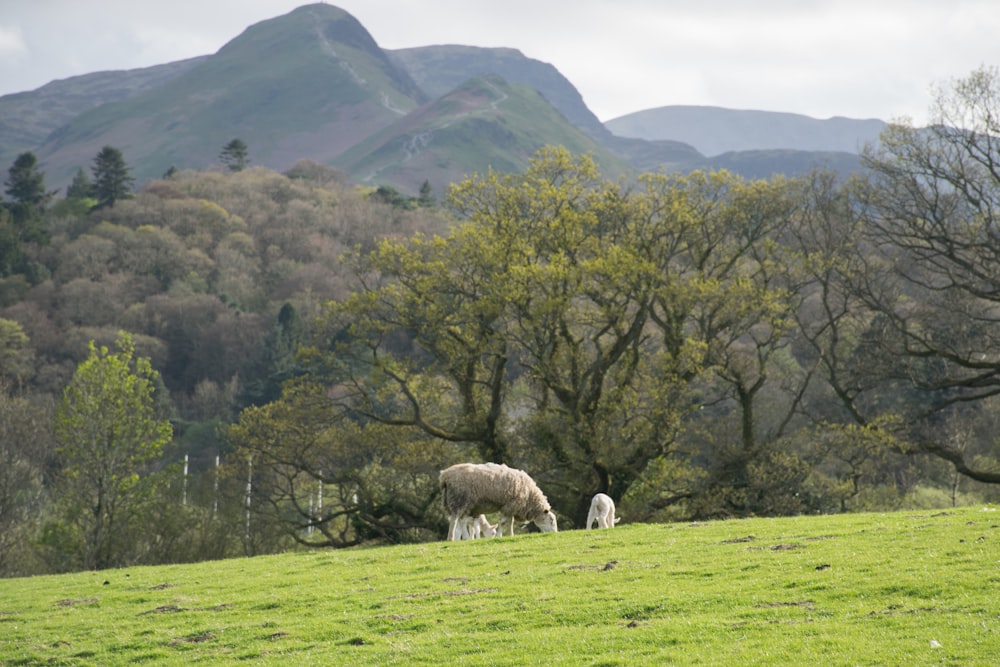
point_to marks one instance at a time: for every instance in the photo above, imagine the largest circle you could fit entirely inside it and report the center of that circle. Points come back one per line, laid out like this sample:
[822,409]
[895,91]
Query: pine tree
[426,198]
[234,155]
[25,185]
[81,187]
[112,180]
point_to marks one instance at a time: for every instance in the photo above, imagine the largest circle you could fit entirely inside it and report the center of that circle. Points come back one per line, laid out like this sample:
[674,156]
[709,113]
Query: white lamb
[468,489]
[473,529]
[602,509]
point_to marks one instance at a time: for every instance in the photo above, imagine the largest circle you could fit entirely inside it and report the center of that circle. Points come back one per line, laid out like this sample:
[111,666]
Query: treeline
[694,345]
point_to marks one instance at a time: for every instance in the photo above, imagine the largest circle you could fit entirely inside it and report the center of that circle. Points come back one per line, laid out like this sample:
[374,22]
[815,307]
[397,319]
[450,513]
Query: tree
[932,279]
[426,197]
[81,187]
[331,481]
[561,325]
[108,434]
[112,180]
[25,443]
[234,155]
[276,363]
[25,185]
[16,355]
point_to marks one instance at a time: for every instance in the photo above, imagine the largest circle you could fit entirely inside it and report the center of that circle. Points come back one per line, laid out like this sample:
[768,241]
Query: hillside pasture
[907,588]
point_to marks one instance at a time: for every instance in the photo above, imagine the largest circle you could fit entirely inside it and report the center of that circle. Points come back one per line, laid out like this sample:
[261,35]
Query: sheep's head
[546,522]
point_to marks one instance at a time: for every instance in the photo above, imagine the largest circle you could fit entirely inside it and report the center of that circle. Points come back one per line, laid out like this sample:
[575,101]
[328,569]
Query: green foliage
[874,589]
[234,155]
[22,219]
[16,355]
[25,446]
[81,187]
[109,434]
[112,180]
[25,184]
[376,483]
[563,325]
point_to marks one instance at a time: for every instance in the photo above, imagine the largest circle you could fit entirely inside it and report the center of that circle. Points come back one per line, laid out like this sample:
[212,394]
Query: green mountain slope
[304,85]
[486,122]
[28,118]
[441,69]
[313,84]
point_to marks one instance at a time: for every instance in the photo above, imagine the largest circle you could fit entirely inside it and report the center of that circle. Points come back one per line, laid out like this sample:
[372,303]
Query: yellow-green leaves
[108,432]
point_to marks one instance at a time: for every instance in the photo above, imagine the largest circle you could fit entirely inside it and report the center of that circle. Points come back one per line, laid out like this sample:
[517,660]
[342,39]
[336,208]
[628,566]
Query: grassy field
[908,588]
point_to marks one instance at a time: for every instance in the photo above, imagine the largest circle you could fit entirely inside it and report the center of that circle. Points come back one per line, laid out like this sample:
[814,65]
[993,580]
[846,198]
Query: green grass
[861,589]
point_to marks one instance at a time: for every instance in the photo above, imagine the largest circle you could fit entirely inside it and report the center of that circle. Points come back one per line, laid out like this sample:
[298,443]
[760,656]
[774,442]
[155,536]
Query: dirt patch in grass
[610,565]
[74,603]
[807,604]
[165,609]
[192,639]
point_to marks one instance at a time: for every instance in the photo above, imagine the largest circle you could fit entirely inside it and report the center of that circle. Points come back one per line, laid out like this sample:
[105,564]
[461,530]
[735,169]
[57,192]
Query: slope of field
[909,588]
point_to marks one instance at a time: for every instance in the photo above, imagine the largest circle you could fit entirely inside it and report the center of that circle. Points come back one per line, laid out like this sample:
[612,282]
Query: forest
[241,361]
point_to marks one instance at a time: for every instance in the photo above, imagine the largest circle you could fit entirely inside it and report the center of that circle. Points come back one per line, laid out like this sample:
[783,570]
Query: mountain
[27,119]
[713,130]
[313,84]
[440,69]
[763,164]
[307,84]
[485,122]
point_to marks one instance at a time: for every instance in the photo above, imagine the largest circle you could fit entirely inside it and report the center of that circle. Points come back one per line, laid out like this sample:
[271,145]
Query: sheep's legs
[453,529]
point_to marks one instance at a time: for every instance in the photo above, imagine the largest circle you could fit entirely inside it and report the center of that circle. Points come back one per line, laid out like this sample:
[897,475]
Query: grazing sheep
[470,488]
[602,509]
[473,529]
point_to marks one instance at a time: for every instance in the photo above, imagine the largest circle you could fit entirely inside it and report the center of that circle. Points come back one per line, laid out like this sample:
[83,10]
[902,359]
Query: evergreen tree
[276,363]
[25,184]
[22,220]
[112,180]
[426,198]
[234,155]
[81,187]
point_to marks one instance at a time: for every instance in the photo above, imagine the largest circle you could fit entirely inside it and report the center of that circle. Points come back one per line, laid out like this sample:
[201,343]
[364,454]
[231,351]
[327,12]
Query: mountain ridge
[717,130]
[314,84]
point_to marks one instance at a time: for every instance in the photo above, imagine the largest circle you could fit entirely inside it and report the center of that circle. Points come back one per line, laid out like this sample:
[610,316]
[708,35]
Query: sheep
[472,529]
[470,488]
[602,509]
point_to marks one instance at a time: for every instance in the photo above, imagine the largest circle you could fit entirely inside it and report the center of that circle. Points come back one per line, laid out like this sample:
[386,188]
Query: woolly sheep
[602,509]
[470,488]
[473,529]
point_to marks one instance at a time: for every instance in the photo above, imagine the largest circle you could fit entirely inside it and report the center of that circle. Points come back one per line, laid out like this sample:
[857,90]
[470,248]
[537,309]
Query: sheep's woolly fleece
[468,489]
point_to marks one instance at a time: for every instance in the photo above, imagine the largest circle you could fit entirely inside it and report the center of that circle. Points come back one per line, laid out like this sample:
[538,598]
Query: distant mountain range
[314,84]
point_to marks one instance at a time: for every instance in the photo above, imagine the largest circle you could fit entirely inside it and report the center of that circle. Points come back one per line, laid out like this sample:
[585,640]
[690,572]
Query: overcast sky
[822,58]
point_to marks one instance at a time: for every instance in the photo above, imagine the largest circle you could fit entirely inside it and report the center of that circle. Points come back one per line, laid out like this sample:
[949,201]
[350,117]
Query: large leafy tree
[109,433]
[932,278]
[561,325]
[112,180]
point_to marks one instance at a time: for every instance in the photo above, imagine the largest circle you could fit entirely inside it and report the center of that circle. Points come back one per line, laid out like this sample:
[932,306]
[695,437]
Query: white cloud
[12,46]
